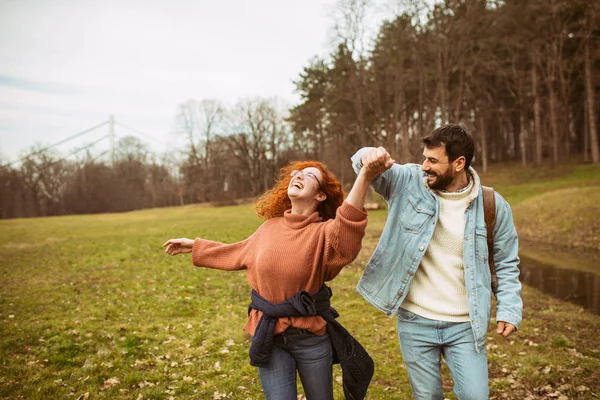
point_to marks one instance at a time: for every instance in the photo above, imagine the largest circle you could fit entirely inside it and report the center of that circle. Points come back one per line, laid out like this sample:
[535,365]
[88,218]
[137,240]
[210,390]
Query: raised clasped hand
[376,162]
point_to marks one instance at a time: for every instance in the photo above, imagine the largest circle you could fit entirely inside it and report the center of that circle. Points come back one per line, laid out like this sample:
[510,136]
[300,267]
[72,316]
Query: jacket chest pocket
[415,214]
[481,247]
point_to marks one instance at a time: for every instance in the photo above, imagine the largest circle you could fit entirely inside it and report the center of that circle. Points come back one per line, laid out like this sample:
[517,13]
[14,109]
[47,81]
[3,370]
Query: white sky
[66,65]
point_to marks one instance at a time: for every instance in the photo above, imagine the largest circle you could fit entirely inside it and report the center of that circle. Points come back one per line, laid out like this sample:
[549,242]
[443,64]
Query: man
[430,267]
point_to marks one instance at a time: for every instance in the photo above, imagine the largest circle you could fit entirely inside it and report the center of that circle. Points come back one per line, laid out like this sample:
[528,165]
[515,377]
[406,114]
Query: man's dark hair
[457,140]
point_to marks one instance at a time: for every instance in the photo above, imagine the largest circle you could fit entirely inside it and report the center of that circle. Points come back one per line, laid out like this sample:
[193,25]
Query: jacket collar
[474,190]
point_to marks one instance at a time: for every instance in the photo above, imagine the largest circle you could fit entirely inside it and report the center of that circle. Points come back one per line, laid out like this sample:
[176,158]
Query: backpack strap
[489,211]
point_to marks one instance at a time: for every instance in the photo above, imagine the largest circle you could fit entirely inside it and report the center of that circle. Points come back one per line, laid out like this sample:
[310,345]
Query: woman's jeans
[298,349]
[424,341]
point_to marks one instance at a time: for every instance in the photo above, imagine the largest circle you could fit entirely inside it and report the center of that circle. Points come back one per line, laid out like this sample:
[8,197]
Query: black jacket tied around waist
[357,366]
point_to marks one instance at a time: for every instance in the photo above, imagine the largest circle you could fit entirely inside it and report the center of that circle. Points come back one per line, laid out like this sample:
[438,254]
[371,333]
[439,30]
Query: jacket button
[422,248]
[419,208]
[411,273]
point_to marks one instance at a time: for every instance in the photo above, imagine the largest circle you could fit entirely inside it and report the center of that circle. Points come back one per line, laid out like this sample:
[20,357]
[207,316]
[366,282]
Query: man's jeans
[424,341]
[298,349]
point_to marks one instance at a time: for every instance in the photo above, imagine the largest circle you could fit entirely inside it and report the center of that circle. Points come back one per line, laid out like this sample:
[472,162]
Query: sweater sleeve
[228,257]
[343,236]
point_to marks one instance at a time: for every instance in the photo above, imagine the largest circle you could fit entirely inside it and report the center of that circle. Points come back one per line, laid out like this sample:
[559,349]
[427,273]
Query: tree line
[521,75]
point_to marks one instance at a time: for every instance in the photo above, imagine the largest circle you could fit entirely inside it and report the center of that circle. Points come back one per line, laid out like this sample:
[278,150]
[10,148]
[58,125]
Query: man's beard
[441,181]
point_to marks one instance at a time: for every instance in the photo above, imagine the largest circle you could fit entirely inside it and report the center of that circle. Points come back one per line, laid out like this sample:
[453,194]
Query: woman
[309,235]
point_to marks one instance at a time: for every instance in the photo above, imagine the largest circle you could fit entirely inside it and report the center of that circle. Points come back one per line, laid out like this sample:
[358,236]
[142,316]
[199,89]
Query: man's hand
[376,162]
[178,246]
[505,329]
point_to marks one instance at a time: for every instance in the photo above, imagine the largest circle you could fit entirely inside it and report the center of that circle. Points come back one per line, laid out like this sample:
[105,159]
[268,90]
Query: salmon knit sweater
[288,254]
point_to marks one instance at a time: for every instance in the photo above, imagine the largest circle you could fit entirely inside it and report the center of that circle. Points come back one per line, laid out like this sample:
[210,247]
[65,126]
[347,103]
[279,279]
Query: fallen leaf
[111,382]
[547,370]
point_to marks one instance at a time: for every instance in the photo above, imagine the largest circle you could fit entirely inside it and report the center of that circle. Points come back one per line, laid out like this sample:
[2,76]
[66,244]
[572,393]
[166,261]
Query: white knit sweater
[438,288]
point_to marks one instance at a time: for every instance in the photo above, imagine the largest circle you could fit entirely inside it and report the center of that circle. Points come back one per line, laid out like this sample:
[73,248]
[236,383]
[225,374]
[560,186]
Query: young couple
[430,269]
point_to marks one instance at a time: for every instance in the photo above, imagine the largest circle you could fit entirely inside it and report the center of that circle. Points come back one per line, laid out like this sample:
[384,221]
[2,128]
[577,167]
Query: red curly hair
[275,201]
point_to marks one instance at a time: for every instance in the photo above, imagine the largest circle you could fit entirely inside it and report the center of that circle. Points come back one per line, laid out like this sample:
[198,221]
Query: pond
[581,288]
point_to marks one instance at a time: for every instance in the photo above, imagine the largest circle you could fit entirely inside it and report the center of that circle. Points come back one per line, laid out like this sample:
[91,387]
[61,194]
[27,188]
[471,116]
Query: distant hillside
[556,211]
[565,217]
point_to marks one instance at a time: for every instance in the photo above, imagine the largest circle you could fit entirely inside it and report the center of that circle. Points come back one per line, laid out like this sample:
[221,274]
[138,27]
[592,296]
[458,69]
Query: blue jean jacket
[412,215]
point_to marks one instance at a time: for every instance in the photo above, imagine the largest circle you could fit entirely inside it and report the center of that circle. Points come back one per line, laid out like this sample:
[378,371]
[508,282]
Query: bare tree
[591,16]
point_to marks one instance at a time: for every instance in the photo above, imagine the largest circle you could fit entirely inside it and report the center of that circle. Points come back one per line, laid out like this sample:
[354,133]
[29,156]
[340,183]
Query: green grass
[91,304]
[517,183]
[556,211]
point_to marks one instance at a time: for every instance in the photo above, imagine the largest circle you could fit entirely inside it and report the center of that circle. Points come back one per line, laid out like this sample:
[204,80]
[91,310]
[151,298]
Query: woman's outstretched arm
[344,234]
[216,255]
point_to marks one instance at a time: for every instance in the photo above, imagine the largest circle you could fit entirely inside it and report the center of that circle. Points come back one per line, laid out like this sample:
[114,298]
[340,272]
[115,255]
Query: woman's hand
[376,162]
[178,246]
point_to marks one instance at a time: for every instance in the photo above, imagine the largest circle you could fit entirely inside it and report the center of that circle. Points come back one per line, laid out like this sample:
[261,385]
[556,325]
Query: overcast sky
[66,65]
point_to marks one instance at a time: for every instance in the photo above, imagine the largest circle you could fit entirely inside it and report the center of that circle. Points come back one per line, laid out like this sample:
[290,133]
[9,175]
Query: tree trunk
[357,83]
[421,102]
[537,111]
[522,135]
[458,106]
[586,136]
[405,150]
[443,88]
[591,106]
[483,138]
[554,125]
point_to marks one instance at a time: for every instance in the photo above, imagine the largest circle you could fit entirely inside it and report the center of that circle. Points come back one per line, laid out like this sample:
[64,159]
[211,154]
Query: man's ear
[459,163]
[321,196]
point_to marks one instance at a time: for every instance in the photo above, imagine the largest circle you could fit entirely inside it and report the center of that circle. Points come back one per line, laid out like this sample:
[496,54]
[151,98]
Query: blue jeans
[309,354]
[424,341]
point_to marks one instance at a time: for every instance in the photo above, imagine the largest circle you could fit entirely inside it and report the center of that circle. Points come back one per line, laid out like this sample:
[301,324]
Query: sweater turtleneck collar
[299,221]
[473,179]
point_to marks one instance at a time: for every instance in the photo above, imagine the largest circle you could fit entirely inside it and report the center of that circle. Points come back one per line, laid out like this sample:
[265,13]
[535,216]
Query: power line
[88,145]
[80,149]
[100,155]
[140,133]
[137,132]
[59,143]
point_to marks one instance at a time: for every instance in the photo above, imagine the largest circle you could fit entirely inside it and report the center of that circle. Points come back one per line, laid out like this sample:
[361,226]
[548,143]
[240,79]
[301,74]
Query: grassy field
[91,308]
[556,210]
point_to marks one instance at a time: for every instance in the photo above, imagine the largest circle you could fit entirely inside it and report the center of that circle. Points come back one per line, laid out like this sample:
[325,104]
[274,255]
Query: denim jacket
[412,215]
